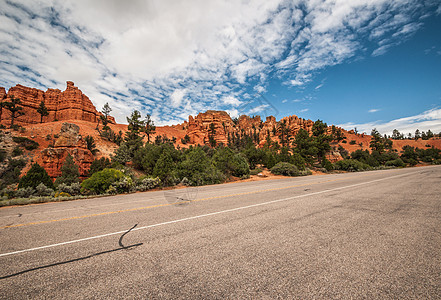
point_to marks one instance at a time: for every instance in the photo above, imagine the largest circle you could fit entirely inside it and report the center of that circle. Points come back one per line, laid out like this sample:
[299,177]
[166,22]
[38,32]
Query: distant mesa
[70,104]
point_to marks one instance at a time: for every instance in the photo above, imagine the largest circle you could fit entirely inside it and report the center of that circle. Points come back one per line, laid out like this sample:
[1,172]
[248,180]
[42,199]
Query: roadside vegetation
[163,164]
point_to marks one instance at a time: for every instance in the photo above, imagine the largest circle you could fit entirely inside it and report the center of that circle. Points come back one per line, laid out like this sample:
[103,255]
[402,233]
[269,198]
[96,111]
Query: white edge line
[201,216]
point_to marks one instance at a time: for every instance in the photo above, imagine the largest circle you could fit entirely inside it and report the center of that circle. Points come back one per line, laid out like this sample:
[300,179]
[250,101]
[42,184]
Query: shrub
[24,192]
[15,127]
[16,152]
[8,192]
[297,160]
[3,155]
[351,165]
[69,172]
[73,189]
[42,190]
[198,168]
[124,185]
[34,177]
[61,194]
[255,171]
[395,163]
[100,181]
[305,172]
[148,183]
[284,168]
[230,163]
[165,169]
[12,172]
[28,144]
[327,165]
[352,142]
[99,165]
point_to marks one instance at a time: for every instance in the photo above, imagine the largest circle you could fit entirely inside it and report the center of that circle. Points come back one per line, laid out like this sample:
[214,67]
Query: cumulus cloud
[430,119]
[230,100]
[168,58]
[176,97]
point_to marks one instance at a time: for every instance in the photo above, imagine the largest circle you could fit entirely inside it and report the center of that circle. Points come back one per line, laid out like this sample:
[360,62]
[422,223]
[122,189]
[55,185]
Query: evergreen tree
[2,104]
[417,134]
[376,143]
[211,134]
[149,127]
[105,117]
[133,139]
[69,172]
[14,108]
[90,144]
[34,177]
[42,110]
[429,134]
[396,135]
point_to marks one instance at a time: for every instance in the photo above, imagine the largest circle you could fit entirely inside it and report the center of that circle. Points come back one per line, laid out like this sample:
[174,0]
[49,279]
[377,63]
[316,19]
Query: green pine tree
[42,110]
[34,177]
[69,172]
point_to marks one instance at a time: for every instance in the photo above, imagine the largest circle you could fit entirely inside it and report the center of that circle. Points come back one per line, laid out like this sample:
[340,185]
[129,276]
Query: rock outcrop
[70,104]
[199,131]
[69,141]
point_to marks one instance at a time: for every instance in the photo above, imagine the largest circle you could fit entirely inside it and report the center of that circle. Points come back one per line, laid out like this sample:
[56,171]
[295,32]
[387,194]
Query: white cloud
[258,109]
[284,100]
[319,86]
[430,119]
[296,82]
[230,100]
[176,97]
[234,113]
[147,55]
[373,110]
[303,110]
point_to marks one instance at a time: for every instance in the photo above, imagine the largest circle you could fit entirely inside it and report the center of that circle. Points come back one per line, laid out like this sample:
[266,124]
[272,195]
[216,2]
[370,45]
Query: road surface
[373,235]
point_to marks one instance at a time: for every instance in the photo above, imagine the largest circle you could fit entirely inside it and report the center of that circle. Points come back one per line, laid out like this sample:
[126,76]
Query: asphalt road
[372,235]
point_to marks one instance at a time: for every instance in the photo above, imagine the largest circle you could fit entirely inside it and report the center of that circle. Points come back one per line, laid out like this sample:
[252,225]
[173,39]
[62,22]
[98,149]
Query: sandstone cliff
[70,104]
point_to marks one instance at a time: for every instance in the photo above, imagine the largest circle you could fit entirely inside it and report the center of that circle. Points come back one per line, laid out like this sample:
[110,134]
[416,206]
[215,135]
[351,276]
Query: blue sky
[354,63]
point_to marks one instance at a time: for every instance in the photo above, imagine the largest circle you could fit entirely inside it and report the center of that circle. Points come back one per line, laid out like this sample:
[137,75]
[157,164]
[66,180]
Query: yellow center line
[169,204]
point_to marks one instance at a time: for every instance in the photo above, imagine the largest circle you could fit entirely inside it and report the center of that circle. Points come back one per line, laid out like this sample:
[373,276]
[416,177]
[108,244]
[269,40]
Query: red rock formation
[68,142]
[198,128]
[70,104]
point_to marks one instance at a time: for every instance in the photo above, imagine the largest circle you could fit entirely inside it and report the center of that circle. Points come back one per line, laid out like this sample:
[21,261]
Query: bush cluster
[351,165]
[284,168]
[28,144]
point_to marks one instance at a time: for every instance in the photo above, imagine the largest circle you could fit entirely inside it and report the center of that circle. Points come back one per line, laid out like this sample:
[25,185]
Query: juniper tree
[69,172]
[14,108]
[149,127]
[42,110]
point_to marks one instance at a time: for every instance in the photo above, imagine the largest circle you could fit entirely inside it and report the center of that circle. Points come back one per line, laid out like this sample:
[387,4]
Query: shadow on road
[122,247]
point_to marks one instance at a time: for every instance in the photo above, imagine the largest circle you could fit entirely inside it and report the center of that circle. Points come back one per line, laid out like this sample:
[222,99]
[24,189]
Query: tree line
[165,164]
